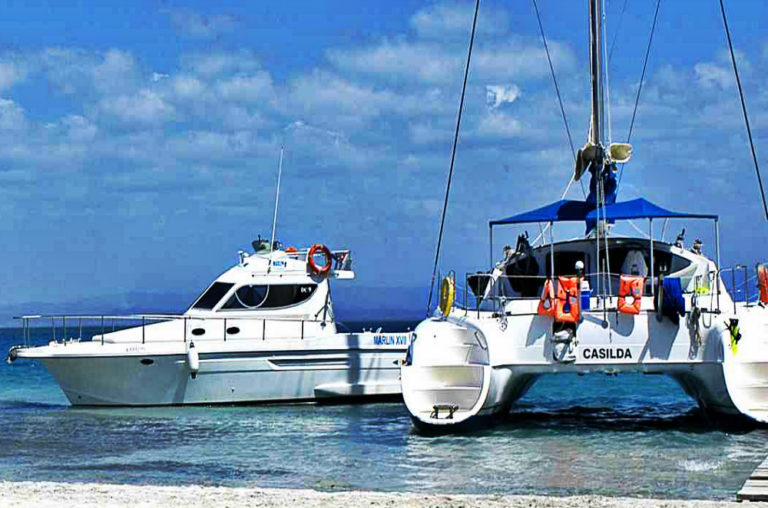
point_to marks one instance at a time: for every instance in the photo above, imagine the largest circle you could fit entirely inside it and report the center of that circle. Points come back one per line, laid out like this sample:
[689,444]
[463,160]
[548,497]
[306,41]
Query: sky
[140,140]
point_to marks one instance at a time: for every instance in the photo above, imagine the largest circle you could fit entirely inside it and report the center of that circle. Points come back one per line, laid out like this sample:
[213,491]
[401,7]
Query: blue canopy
[568,210]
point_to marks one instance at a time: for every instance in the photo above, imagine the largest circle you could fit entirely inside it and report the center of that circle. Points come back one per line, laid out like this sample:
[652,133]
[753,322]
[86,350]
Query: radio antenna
[277,200]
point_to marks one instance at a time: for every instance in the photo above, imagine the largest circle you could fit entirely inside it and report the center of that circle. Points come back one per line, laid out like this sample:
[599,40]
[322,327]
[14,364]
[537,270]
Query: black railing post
[143,322]
[102,330]
[225,329]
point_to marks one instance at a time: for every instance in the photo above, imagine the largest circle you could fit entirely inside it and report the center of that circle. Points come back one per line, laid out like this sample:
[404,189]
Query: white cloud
[711,74]
[202,26]
[10,74]
[209,64]
[116,72]
[79,128]
[145,107]
[436,63]
[211,145]
[444,20]
[496,95]
[425,132]
[188,87]
[499,125]
[11,116]
[425,62]
[246,88]
[323,94]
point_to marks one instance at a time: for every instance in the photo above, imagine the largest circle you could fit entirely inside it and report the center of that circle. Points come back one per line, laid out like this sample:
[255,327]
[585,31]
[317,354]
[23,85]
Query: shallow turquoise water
[626,435]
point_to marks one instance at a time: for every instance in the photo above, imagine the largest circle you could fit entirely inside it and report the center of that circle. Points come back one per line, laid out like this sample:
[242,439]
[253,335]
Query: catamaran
[601,303]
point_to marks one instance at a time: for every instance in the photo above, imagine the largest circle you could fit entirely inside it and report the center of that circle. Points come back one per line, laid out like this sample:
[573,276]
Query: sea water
[628,435]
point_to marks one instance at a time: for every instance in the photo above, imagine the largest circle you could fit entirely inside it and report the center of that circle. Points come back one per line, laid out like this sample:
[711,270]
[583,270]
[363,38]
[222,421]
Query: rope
[559,97]
[744,109]
[640,230]
[640,88]
[618,30]
[453,156]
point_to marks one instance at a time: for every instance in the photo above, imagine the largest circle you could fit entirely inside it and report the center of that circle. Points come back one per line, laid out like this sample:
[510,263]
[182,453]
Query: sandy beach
[49,494]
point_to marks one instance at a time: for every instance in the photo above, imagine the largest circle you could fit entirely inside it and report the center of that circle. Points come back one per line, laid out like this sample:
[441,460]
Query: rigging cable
[559,97]
[744,108]
[618,30]
[453,155]
[640,87]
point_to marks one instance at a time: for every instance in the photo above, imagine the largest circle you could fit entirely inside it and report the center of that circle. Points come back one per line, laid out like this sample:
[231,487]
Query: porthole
[198,331]
[147,361]
[233,330]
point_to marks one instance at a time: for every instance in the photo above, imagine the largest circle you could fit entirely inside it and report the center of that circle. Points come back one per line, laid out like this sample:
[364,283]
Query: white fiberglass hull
[471,366]
[334,367]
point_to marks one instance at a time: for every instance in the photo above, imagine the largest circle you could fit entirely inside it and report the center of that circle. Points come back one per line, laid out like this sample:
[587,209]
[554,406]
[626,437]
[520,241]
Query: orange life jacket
[630,293]
[762,282]
[568,308]
[547,301]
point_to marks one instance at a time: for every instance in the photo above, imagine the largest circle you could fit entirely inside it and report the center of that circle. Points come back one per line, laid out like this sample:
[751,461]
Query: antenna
[277,199]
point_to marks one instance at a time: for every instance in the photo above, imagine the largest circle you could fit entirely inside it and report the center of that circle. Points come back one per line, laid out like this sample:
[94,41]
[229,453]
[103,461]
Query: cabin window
[212,295]
[269,296]
[664,261]
[565,263]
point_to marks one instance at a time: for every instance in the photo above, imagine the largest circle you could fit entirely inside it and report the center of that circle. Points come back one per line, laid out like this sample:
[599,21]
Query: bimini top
[569,210]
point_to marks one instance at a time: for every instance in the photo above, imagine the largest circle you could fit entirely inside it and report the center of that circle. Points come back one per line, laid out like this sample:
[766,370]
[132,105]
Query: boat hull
[700,358]
[91,374]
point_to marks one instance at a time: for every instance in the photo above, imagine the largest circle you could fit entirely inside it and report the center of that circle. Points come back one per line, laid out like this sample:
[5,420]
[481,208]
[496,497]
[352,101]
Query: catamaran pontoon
[263,331]
[601,303]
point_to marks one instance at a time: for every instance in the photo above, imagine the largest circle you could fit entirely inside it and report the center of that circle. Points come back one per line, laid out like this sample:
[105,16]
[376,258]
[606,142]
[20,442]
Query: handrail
[713,276]
[154,319]
[158,317]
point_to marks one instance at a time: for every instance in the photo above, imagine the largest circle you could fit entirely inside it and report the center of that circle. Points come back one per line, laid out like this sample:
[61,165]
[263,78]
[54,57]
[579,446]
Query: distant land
[350,304]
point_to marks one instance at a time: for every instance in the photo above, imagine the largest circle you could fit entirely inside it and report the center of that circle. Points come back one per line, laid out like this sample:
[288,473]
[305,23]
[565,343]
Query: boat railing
[71,327]
[497,292]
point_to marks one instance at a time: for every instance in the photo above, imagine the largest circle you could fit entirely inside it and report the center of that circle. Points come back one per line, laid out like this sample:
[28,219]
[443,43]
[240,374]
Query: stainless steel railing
[59,326]
[496,299]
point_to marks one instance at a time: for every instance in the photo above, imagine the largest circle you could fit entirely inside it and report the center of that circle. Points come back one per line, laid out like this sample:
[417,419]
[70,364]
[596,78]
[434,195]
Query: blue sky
[140,140]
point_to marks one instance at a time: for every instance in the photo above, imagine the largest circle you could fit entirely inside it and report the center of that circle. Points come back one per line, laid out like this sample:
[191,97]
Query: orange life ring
[547,301]
[567,306]
[762,282]
[319,249]
[630,288]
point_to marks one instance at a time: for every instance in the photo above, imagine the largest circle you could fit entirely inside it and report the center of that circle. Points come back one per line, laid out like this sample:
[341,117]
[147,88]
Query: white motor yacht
[263,331]
[600,303]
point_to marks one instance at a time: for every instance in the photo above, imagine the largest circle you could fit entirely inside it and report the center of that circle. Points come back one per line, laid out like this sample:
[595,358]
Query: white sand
[48,494]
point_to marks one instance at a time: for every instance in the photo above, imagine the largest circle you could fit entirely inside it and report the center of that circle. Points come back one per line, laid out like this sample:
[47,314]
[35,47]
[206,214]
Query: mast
[596,124]
[596,74]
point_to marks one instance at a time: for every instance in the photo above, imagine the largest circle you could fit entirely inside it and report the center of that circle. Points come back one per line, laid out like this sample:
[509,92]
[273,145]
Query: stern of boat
[446,377]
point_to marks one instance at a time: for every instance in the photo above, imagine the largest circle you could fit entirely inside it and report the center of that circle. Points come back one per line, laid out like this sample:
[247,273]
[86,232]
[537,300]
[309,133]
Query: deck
[756,486]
